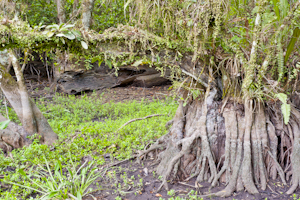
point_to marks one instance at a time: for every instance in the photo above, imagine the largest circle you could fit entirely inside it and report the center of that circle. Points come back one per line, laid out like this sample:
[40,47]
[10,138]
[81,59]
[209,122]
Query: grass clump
[86,127]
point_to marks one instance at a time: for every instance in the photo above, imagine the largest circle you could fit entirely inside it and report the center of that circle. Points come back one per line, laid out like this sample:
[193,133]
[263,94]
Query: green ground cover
[86,127]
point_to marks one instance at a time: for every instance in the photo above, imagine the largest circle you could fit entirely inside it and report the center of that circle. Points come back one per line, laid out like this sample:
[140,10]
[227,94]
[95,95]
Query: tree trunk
[87,8]
[75,7]
[31,117]
[60,4]
[27,115]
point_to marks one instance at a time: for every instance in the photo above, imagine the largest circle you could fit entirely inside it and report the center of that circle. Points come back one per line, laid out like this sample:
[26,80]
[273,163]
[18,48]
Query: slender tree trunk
[28,119]
[31,117]
[60,4]
[87,9]
[75,7]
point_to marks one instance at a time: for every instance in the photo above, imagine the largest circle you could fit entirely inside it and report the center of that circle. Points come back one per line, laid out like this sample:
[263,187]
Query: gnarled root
[248,145]
[295,160]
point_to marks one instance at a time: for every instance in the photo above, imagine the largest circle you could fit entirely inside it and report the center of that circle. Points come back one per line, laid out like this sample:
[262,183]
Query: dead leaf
[158,195]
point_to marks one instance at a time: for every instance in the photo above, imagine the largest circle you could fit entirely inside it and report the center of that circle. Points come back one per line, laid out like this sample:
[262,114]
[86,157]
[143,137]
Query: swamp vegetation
[234,64]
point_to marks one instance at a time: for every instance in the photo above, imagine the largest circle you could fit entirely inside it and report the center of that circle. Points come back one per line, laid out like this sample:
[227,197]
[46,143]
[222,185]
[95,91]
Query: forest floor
[123,178]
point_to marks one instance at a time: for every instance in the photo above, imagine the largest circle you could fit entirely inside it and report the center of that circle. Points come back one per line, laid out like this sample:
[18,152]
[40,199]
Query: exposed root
[255,146]
[137,119]
[279,169]
[247,176]
[230,144]
[296,153]
[236,173]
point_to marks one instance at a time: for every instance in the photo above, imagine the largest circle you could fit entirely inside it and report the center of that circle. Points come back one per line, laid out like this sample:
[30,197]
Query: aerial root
[145,152]
[259,131]
[295,164]
[230,144]
[279,168]
[251,148]
[235,182]
[247,175]
[295,159]
[186,144]
[273,164]
[206,154]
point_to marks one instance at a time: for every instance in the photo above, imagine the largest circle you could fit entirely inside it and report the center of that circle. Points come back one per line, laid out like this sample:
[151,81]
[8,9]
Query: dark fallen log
[74,82]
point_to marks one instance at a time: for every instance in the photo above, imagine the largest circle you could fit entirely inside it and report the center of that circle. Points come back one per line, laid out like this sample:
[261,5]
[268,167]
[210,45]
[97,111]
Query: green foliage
[38,11]
[86,126]
[4,124]
[58,184]
[285,107]
[63,30]
[108,13]
[290,48]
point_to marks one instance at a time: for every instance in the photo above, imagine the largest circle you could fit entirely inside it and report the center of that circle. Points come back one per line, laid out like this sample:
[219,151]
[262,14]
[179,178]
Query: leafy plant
[285,107]
[4,124]
[59,184]
[64,30]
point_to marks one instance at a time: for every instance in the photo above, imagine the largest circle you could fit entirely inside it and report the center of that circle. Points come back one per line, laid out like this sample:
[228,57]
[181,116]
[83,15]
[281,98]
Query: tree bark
[60,4]
[31,117]
[87,8]
[28,119]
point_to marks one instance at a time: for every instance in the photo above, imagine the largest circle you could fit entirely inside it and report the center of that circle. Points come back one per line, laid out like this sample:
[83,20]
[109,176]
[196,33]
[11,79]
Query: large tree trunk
[224,141]
[31,117]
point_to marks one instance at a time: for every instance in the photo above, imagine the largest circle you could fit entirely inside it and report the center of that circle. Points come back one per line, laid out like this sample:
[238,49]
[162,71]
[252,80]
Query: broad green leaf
[94,59]
[109,63]
[63,40]
[4,124]
[22,172]
[69,25]
[282,97]
[286,111]
[137,63]
[296,34]
[84,44]
[76,33]
[63,29]
[50,33]
[61,25]
[54,26]
[68,35]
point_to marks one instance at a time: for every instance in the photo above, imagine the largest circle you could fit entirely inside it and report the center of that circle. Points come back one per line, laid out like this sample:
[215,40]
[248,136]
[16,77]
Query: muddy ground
[130,180]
